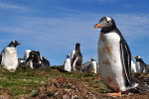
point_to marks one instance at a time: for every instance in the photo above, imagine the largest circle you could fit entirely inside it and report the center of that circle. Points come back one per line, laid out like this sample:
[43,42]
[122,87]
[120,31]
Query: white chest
[109,55]
[10,58]
[67,65]
[109,47]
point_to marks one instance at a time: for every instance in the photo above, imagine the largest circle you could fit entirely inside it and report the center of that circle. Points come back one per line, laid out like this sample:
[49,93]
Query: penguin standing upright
[133,67]
[10,57]
[27,52]
[94,64]
[90,66]
[76,61]
[140,65]
[114,57]
[67,64]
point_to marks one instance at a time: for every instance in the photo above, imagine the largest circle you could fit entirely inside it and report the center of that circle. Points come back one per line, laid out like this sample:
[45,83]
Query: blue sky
[54,26]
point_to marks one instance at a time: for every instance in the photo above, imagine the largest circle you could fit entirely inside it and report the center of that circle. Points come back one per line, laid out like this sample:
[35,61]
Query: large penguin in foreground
[10,57]
[114,57]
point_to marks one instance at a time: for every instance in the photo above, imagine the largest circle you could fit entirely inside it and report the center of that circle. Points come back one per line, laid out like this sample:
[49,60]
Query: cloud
[55,37]
[12,6]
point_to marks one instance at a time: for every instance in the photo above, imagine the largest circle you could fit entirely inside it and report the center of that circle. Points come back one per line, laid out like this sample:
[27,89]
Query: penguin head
[92,59]
[137,57]
[77,46]
[13,43]
[67,56]
[105,22]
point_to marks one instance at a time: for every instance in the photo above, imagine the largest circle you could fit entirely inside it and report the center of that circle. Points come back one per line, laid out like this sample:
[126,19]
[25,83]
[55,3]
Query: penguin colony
[115,63]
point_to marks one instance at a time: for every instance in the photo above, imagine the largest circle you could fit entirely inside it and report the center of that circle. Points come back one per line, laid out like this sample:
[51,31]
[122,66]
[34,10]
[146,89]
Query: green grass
[25,81]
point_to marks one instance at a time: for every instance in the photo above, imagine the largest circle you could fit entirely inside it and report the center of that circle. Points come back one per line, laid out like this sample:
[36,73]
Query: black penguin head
[137,57]
[67,56]
[106,22]
[92,59]
[77,46]
[13,43]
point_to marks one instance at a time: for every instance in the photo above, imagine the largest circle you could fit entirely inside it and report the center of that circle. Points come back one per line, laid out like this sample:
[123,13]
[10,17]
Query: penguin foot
[114,94]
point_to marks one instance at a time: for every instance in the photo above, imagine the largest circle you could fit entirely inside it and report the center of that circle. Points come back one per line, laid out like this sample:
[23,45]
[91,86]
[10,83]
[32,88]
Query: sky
[54,26]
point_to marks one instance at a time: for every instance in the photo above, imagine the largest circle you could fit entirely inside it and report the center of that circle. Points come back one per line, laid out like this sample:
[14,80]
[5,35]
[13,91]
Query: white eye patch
[108,18]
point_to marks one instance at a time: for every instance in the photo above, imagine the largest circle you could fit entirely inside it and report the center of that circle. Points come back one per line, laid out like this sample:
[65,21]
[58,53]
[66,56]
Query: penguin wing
[126,61]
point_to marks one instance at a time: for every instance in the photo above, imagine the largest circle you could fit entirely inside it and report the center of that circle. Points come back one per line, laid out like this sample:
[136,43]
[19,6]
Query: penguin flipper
[126,61]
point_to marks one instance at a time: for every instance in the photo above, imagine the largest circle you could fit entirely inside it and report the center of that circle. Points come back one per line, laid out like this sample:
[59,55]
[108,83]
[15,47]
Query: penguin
[114,57]
[67,64]
[94,64]
[45,62]
[27,52]
[34,60]
[10,56]
[77,58]
[133,67]
[90,66]
[140,65]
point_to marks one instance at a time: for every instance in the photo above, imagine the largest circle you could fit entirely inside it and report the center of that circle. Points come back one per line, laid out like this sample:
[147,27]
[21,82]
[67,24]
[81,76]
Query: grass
[25,81]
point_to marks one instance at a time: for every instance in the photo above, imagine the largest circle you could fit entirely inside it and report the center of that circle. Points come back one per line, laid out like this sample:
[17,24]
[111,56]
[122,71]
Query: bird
[90,66]
[67,64]
[27,52]
[133,67]
[77,58]
[114,57]
[140,65]
[10,57]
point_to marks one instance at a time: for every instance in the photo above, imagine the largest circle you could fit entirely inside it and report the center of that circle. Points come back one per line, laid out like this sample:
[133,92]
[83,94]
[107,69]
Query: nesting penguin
[76,58]
[34,60]
[90,66]
[141,66]
[67,64]
[114,57]
[10,57]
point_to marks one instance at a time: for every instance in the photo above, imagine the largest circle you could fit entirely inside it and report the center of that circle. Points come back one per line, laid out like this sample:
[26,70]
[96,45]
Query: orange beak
[99,25]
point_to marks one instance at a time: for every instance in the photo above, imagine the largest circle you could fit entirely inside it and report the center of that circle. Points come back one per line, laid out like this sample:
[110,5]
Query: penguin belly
[9,58]
[111,68]
[94,64]
[67,65]
[133,67]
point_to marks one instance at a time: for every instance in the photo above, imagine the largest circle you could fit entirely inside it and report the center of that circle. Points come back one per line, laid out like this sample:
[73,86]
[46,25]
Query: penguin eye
[108,22]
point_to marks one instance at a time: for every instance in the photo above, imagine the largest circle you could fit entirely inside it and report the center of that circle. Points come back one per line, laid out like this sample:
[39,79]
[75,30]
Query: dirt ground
[61,85]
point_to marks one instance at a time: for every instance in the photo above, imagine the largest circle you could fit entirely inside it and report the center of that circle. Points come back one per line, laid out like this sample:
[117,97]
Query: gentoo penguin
[114,57]
[133,67]
[94,64]
[10,57]
[34,59]
[27,52]
[90,66]
[44,61]
[67,64]
[76,60]
[140,65]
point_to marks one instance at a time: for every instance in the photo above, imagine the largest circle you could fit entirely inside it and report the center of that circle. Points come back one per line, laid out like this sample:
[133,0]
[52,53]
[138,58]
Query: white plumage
[110,60]
[27,52]
[133,67]
[67,64]
[94,64]
[10,58]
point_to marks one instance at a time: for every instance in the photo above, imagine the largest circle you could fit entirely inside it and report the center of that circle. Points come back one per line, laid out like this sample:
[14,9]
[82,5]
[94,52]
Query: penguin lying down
[115,59]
